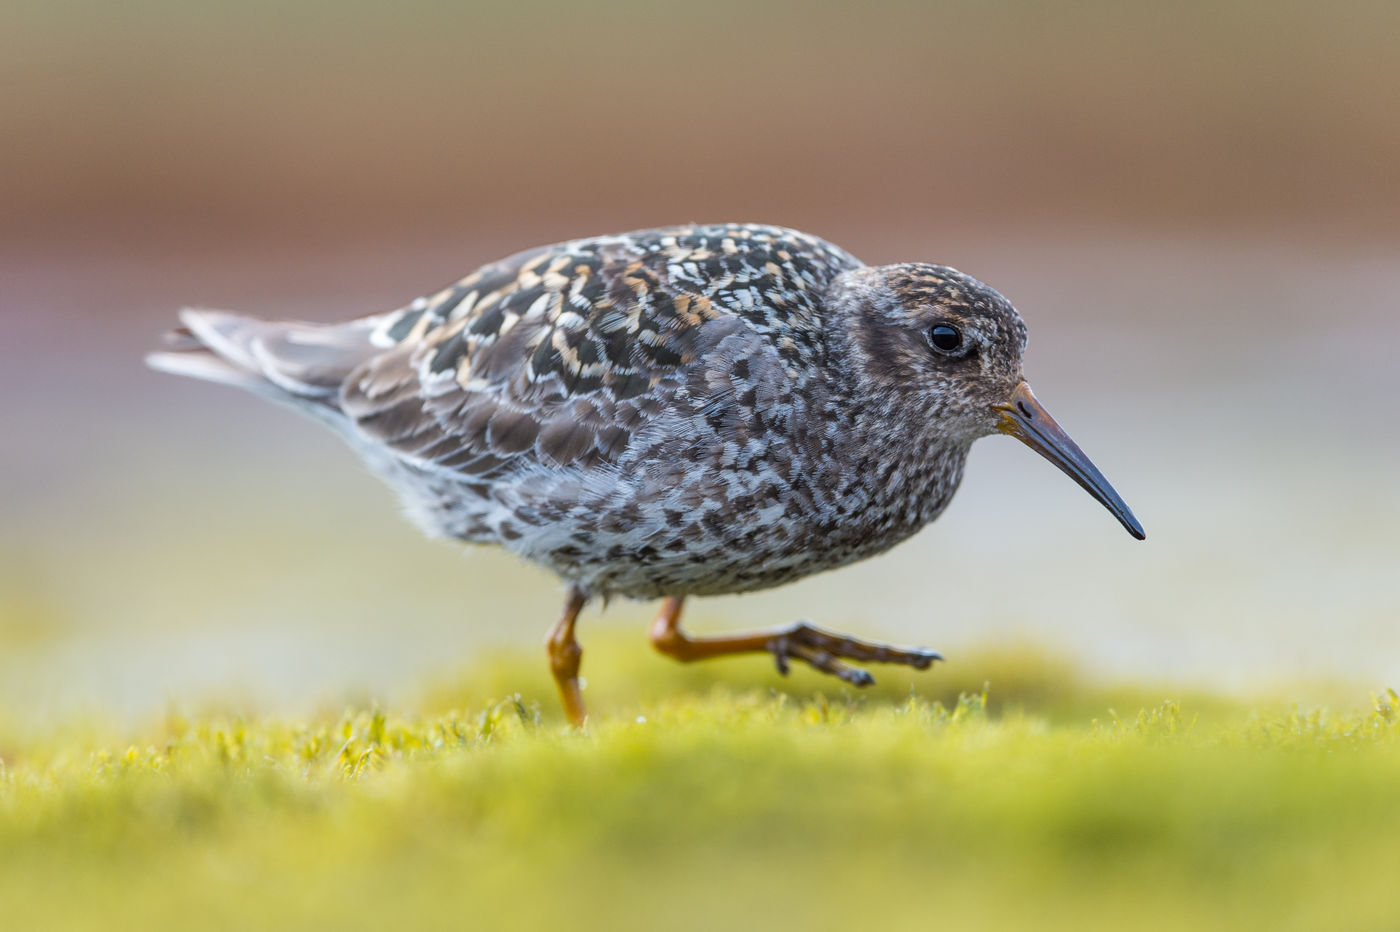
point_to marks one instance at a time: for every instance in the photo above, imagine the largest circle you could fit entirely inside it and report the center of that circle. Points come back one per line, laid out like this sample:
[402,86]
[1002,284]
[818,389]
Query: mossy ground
[714,797]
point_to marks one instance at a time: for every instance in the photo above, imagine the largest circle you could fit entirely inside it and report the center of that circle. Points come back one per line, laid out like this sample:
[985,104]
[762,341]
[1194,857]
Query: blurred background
[1196,206]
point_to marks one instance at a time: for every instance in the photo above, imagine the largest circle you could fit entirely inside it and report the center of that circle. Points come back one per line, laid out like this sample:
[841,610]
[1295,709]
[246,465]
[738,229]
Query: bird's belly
[705,532]
[707,551]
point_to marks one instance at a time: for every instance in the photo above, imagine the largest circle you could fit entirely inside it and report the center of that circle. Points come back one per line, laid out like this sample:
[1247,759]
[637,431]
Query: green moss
[690,804]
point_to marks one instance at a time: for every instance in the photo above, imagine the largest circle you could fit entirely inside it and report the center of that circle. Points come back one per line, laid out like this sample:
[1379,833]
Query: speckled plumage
[672,412]
[606,407]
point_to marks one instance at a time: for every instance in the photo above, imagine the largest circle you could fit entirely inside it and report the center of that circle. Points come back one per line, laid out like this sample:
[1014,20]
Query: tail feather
[182,353]
[287,361]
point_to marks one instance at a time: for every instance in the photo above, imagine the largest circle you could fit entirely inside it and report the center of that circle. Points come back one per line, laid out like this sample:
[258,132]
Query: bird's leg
[823,650]
[564,655]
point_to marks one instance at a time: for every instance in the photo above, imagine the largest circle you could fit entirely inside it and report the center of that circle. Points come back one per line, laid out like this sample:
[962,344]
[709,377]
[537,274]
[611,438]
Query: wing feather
[562,354]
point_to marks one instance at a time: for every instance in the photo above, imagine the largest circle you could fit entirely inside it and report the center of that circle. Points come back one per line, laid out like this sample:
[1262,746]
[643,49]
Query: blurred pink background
[1196,208]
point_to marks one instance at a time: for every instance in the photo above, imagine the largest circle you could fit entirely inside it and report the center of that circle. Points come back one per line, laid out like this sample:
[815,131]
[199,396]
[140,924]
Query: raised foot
[825,650]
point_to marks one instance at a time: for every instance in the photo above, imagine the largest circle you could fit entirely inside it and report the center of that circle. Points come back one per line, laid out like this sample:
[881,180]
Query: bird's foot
[826,651]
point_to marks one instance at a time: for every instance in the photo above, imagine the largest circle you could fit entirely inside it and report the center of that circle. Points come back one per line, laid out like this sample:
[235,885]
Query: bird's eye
[945,338]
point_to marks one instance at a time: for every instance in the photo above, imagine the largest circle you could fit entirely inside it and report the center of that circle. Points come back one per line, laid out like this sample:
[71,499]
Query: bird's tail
[299,363]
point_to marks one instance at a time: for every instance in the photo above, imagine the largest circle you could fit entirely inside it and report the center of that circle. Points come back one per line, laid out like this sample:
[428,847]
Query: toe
[923,659]
[857,677]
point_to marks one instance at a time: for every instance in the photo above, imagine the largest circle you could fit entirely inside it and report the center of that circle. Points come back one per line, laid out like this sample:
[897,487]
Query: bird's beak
[1023,418]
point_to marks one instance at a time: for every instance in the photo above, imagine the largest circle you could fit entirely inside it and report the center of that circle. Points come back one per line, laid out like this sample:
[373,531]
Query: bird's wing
[562,353]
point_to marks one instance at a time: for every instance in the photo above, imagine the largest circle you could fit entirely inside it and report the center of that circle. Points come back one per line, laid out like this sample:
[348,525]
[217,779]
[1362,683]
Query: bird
[665,414]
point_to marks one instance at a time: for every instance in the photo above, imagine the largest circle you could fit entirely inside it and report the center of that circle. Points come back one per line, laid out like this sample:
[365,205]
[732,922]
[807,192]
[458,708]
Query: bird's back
[604,315]
[555,353]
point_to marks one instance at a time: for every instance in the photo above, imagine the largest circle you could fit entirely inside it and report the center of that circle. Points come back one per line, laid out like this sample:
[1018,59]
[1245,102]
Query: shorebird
[668,413]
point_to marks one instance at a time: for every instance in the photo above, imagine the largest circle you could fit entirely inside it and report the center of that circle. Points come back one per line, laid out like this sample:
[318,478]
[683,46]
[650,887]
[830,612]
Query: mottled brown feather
[498,361]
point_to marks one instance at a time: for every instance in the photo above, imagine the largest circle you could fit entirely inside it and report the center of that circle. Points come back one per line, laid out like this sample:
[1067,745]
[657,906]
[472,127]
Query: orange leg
[823,650]
[564,655]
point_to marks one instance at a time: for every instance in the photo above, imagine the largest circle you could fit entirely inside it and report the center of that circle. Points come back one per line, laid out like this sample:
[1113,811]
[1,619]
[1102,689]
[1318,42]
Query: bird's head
[948,348]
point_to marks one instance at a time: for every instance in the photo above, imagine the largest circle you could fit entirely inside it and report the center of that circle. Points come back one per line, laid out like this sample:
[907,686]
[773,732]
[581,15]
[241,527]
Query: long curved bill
[1024,418]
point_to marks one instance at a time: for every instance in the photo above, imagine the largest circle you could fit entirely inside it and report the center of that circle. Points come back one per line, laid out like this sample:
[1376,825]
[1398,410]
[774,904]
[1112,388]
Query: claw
[858,677]
[779,647]
[924,658]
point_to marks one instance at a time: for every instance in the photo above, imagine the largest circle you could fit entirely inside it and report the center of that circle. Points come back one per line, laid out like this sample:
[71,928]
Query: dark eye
[945,338]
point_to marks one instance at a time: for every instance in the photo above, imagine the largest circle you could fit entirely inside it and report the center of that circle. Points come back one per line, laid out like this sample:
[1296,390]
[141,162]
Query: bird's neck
[912,478]
[907,474]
